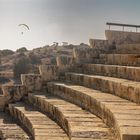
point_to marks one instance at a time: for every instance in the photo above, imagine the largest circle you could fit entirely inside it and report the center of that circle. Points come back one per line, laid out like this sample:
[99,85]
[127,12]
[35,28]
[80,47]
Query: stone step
[126,72]
[128,49]
[121,114]
[121,59]
[123,88]
[38,124]
[78,123]
[10,130]
[99,61]
[122,37]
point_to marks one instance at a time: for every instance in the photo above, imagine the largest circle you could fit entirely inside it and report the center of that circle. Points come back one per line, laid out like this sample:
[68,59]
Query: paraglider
[25,26]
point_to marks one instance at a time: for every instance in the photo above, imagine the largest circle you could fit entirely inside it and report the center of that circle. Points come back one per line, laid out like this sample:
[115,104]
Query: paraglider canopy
[26,27]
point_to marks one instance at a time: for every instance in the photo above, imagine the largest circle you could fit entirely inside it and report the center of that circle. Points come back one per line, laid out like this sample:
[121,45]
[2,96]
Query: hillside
[45,55]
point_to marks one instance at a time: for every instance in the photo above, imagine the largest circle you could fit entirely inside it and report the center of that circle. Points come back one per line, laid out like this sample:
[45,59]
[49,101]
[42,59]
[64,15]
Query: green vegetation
[53,61]
[34,59]
[22,50]
[6,52]
[25,64]
[21,66]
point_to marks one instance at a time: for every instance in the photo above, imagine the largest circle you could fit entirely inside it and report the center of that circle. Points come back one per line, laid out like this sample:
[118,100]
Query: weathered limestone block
[126,72]
[128,49]
[64,63]
[13,93]
[98,69]
[54,112]
[121,87]
[122,37]
[3,102]
[122,59]
[49,72]
[102,45]
[32,81]
[135,74]
[85,55]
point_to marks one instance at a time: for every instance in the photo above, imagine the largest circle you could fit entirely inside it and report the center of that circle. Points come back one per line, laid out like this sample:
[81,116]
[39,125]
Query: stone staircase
[77,123]
[94,95]
[11,130]
[38,124]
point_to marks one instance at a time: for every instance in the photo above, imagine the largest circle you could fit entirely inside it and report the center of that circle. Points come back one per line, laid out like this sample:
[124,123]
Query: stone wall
[32,82]
[85,55]
[128,49]
[64,62]
[121,59]
[13,93]
[48,72]
[99,44]
[122,37]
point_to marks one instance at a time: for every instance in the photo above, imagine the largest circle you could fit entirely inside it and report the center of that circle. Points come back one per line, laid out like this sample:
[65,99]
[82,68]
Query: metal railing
[122,25]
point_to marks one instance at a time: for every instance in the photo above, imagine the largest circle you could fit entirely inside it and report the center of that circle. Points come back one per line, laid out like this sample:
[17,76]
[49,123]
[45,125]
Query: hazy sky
[72,21]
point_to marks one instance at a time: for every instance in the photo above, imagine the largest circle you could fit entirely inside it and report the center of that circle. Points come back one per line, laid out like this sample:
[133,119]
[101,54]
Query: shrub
[21,66]
[21,50]
[34,59]
[6,52]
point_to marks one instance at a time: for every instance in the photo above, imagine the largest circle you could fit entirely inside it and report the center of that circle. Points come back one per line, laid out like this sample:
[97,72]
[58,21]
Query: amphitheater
[93,95]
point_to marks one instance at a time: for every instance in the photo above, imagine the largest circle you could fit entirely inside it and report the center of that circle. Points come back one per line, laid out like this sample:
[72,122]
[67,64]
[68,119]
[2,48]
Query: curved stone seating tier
[10,130]
[78,123]
[126,72]
[126,89]
[122,37]
[116,112]
[121,59]
[96,101]
[39,125]
[128,49]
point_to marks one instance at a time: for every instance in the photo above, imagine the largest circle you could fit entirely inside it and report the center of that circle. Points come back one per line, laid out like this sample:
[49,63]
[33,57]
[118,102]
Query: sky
[72,21]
